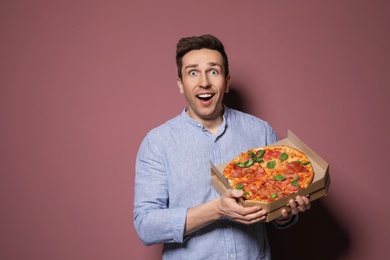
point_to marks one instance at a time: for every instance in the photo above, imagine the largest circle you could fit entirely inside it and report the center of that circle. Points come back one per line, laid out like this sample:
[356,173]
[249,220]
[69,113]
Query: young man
[175,202]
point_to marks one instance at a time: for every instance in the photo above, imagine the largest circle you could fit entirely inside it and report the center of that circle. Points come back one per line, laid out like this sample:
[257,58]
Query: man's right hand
[229,208]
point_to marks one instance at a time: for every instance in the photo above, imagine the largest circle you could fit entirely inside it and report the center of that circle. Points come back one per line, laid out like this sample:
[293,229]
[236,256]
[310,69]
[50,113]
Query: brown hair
[206,41]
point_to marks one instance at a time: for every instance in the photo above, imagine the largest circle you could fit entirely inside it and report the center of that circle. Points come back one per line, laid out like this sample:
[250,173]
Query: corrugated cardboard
[317,189]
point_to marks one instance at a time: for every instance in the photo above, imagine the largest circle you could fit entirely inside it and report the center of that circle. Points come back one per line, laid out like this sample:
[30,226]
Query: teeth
[205,95]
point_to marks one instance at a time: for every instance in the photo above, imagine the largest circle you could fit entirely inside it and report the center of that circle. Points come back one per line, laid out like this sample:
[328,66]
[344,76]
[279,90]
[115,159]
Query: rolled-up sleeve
[154,221]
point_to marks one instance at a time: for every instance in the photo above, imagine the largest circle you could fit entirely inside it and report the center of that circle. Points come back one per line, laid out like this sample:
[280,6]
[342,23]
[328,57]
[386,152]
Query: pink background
[81,83]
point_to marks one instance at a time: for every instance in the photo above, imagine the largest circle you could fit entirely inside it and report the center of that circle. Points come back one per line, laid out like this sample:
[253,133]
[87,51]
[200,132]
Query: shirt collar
[197,124]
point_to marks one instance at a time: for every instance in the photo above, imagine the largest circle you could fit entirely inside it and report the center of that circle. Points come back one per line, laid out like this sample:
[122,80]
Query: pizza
[269,173]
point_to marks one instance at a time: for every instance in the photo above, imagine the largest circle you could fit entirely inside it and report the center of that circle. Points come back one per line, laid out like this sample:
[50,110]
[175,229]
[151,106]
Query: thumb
[237,193]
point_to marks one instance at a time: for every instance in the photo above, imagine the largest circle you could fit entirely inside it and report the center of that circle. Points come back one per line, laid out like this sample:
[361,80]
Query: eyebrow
[211,64]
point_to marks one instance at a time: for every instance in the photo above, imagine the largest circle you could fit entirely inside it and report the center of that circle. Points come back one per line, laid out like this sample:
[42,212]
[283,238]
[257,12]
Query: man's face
[203,84]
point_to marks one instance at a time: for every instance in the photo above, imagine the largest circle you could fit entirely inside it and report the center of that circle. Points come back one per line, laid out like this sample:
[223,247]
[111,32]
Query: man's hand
[231,209]
[300,204]
[225,206]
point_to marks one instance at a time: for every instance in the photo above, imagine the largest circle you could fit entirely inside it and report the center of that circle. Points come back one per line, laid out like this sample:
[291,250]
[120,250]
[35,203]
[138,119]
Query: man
[175,202]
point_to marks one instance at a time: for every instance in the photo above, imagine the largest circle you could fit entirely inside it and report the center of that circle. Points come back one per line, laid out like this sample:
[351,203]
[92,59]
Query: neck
[211,124]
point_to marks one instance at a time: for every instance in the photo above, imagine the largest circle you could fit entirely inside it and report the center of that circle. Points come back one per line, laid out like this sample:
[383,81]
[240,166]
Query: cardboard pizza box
[317,189]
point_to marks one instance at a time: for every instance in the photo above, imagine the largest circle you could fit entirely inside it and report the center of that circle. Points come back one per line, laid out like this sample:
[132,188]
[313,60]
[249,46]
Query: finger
[253,218]
[233,193]
[300,203]
[251,212]
[292,204]
[307,202]
[299,200]
[237,193]
[284,213]
[253,221]
[304,203]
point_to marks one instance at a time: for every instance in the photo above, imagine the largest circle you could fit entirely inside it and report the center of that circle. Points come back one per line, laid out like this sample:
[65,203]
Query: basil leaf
[283,157]
[271,164]
[260,154]
[240,164]
[279,177]
[245,164]
[239,186]
[298,161]
[256,158]
[295,182]
[259,160]
[249,163]
[305,163]
[274,195]
[252,154]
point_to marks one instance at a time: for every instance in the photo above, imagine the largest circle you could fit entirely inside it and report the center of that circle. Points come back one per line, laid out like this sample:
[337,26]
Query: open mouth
[205,97]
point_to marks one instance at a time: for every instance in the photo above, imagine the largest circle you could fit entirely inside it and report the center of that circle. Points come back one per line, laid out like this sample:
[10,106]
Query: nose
[204,80]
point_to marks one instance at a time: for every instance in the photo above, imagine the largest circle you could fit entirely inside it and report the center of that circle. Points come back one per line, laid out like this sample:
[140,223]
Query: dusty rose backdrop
[81,83]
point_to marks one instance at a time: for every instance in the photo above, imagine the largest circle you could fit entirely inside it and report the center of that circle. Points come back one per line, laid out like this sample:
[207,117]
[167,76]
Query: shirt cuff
[178,224]
[293,220]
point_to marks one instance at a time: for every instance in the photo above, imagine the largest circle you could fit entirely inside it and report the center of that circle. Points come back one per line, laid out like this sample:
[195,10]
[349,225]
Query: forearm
[225,206]
[201,216]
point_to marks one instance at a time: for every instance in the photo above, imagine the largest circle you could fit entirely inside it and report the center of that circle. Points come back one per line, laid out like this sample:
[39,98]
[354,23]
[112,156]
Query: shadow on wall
[234,100]
[308,236]
[314,229]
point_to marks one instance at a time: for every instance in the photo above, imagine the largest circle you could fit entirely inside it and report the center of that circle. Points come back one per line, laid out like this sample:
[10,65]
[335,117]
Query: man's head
[207,41]
[203,78]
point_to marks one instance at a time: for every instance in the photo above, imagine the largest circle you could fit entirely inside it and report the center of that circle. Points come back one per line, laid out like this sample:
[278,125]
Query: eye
[192,73]
[214,72]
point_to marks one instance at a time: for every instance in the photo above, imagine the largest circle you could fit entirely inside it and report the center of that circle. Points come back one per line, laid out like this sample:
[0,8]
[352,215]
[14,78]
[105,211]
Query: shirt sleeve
[271,135]
[293,220]
[153,220]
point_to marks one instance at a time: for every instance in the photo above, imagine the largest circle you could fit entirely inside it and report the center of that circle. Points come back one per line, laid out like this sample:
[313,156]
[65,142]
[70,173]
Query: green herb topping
[239,186]
[303,163]
[245,164]
[279,177]
[257,158]
[283,157]
[271,164]
[295,182]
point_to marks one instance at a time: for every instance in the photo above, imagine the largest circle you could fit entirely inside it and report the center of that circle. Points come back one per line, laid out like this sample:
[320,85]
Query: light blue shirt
[173,174]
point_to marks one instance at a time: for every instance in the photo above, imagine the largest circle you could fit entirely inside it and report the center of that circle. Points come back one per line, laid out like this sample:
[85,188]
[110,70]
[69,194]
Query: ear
[180,85]
[227,81]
